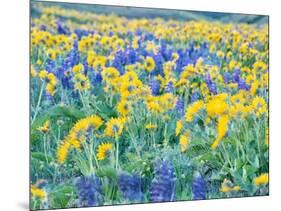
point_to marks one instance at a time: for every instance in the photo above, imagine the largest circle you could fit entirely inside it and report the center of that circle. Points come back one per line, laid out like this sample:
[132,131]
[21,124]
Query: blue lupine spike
[211,85]
[163,184]
[131,187]
[227,77]
[243,85]
[154,87]
[89,190]
[236,75]
[194,97]
[98,77]
[180,106]
[169,87]
[199,187]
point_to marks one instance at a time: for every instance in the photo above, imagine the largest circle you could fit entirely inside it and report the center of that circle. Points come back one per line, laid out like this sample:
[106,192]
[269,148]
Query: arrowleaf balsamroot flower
[227,186]
[179,126]
[76,135]
[131,187]
[221,130]
[45,128]
[114,127]
[163,184]
[149,64]
[124,107]
[193,109]
[199,187]
[262,179]
[184,141]
[259,105]
[103,149]
[89,190]
[217,106]
[38,192]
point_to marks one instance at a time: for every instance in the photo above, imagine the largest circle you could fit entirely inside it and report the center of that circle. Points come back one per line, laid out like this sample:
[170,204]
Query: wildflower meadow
[145,108]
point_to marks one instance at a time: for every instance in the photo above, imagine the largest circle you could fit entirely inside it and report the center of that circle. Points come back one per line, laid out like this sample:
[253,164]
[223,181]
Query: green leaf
[61,196]
[54,113]
[58,111]
[41,156]
[107,171]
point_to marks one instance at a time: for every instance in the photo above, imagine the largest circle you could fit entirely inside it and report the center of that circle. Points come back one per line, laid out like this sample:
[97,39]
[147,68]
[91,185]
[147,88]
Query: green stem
[226,156]
[92,152]
[83,102]
[45,148]
[117,153]
[38,102]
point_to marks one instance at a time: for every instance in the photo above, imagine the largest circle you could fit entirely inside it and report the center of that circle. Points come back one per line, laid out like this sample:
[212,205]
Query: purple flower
[89,190]
[130,186]
[227,77]
[195,96]
[236,75]
[169,87]
[211,85]
[154,87]
[180,106]
[243,85]
[163,184]
[199,188]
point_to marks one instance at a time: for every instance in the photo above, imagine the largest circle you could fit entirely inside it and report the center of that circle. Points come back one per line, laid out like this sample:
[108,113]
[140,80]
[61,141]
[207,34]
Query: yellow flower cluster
[77,135]
[81,81]
[51,81]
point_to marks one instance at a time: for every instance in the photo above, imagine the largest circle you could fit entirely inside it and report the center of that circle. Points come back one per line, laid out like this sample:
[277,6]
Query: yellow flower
[167,101]
[114,127]
[262,179]
[123,107]
[81,82]
[193,109]
[179,127]
[77,68]
[38,193]
[50,89]
[33,72]
[259,105]
[233,64]
[154,106]
[220,54]
[62,152]
[254,87]
[184,141]
[150,126]
[77,135]
[90,57]
[45,127]
[102,150]
[109,74]
[216,107]
[259,66]
[43,74]
[221,130]
[149,64]
[227,186]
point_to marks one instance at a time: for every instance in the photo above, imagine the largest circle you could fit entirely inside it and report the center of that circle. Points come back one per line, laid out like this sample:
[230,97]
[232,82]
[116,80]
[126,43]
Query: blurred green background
[134,12]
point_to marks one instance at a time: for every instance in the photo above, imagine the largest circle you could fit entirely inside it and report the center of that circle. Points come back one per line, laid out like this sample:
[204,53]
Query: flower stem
[45,148]
[117,152]
[38,102]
